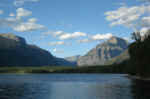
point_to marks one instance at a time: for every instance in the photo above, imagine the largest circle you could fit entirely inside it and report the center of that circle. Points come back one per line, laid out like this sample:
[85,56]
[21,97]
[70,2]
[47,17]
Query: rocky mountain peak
[103,52]
[116,40]
[113,40]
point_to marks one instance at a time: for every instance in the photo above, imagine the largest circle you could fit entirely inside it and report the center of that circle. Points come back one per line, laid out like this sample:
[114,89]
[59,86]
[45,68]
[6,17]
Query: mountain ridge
[103,52]
[14,51]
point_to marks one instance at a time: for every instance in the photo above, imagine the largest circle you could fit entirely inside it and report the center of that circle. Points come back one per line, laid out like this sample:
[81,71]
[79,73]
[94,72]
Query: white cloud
[32,20]
[144,30]
[26,27]
[30,25]
[72,35]
[64,35]
[96,37]
[21,12]
[17,23]
[21,2]
[1,12]
[135,17]
[56,33]
[85,37]
[59,43]
[126,15]
[9,22]
[145,22]
[101,36]
[58,51]
[78,34]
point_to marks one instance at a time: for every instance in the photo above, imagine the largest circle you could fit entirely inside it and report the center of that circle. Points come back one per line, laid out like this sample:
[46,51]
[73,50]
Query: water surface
[66,86]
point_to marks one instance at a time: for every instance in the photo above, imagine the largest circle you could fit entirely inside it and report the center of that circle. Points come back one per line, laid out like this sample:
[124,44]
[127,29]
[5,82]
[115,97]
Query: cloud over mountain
[96,37]
[101,36]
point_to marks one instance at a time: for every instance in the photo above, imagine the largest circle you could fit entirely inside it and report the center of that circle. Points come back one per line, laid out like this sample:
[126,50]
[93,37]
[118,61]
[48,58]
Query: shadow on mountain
[14,51]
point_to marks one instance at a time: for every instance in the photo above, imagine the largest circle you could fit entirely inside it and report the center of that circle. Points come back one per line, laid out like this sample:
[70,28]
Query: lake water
[68,86]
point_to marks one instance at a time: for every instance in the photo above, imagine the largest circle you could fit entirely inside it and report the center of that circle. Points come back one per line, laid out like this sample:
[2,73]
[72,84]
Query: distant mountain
[64,62]
[14,51]
[73,59]
[103,52]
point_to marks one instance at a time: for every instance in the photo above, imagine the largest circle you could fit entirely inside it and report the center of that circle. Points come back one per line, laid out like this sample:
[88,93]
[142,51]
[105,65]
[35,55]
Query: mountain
[64,62]
[103,52]
[73,59]
[119,59]
[14,51]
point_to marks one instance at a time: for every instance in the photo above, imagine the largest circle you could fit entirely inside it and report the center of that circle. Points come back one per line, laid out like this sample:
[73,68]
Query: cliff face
[104,52]
[124,56]
[14,51]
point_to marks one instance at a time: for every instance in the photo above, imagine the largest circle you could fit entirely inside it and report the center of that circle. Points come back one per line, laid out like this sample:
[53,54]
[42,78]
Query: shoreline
[137,78]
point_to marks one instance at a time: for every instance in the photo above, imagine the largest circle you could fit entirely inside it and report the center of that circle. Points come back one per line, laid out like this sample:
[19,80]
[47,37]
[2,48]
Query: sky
[72,27]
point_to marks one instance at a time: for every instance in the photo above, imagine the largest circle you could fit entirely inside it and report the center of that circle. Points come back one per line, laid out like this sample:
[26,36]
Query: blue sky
[68,27]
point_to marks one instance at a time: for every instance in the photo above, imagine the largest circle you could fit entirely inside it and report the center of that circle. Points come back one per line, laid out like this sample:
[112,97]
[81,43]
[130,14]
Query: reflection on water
[72,86]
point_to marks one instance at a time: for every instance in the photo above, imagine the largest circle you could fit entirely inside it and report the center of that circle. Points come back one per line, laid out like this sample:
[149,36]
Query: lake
[69,86]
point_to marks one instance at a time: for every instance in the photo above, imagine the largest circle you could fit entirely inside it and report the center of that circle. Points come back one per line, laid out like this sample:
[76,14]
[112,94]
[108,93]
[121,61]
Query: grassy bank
[63,69]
